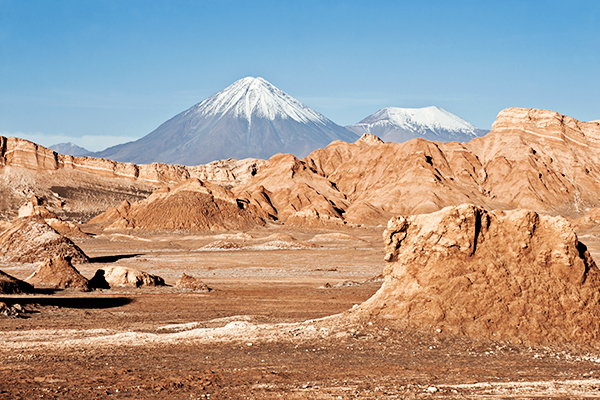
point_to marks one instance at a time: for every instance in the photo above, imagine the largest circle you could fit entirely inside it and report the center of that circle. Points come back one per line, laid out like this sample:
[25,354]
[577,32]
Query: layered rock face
[191,205]
[534,159]
[82,187]
[513,275]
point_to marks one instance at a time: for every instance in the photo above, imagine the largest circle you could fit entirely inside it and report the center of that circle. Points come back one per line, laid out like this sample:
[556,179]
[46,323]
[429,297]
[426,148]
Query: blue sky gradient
[102,72]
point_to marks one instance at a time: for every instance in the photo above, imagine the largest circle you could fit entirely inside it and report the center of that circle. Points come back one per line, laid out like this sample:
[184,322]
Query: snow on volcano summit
[394,124]
[255,97]
[249,119]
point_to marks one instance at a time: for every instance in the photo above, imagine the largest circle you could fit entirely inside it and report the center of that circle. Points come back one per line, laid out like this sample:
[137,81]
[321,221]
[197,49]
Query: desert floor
[262,333]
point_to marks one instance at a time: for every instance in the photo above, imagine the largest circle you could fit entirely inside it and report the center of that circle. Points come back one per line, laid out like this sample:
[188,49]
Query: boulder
[513,275]
[125,276]
[191,283]
[58,273]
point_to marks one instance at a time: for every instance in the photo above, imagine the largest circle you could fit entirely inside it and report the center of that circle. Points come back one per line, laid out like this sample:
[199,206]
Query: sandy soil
[264,332]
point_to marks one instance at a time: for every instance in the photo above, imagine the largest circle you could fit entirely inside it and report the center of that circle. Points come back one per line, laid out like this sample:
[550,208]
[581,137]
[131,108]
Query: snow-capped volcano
[394,124]
[250,118]
[255,97]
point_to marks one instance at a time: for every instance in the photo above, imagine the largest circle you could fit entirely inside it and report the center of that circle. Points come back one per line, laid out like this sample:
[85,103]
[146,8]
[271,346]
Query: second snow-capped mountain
[250,118]
[394,124]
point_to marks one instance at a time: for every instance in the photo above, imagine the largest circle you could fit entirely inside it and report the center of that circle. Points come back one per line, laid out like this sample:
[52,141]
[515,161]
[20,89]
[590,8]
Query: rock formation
[124,276]
[190,283]
[513,275]
[189,205]
[35,206]
[58,273]
[31,239]
[82,187]
[532,159]
[11,285]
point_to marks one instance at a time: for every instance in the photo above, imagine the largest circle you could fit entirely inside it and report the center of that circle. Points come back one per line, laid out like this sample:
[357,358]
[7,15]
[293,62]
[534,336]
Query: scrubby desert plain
[296,309]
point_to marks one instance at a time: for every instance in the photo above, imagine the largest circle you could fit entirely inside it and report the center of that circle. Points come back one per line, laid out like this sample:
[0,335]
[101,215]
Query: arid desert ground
[264,331]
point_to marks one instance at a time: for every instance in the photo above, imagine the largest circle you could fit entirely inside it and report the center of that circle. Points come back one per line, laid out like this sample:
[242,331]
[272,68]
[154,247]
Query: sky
[101,72]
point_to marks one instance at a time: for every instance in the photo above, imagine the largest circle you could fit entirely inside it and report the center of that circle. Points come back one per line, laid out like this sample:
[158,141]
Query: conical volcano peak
[249,118]
[251,97]
[424,118]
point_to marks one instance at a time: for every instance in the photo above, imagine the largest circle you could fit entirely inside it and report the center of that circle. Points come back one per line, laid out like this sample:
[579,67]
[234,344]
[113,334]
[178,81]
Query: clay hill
[249,118]
[31,239]
[12,285]
[58,273]
[189,205]
[532,159]
[513,275]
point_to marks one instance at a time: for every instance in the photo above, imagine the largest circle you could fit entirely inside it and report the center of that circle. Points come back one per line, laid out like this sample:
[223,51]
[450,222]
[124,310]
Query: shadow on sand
[111,259]
[69,302]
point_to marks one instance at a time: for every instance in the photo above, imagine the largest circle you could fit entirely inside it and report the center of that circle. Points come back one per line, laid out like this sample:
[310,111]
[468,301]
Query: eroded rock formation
[124,276]
[513,275]
[191,205]
[31,239]
[58,273]
[12,285]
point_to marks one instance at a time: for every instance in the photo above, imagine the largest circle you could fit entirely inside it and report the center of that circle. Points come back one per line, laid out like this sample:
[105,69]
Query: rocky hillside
[82,187]
[533,159]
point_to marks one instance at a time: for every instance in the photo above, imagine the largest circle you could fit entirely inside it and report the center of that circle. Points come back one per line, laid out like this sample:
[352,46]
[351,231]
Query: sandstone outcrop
[12,285]
[189,205]
[513,275]
[35,206]
[124,276]
[58,273]
[31,239]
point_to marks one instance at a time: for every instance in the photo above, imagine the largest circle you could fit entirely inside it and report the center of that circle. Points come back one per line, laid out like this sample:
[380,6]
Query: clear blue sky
[101,72]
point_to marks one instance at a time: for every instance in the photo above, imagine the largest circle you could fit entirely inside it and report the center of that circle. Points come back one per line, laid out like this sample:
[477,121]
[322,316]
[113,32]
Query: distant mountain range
[253,119]
[70,149]
[393,124]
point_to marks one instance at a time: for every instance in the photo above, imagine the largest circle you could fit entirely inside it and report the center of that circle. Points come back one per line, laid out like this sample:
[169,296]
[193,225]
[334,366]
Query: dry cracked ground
[267,330]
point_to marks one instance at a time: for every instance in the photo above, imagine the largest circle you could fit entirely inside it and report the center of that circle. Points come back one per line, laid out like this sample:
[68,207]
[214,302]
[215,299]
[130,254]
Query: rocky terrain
[483,286]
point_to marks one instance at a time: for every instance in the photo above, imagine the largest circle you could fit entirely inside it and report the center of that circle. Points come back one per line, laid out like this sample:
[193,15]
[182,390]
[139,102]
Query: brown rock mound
[190,205]
[58,273]
[510,275]
[191,283]
[36,206]
[11,285]
[31,239]
[124,276]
